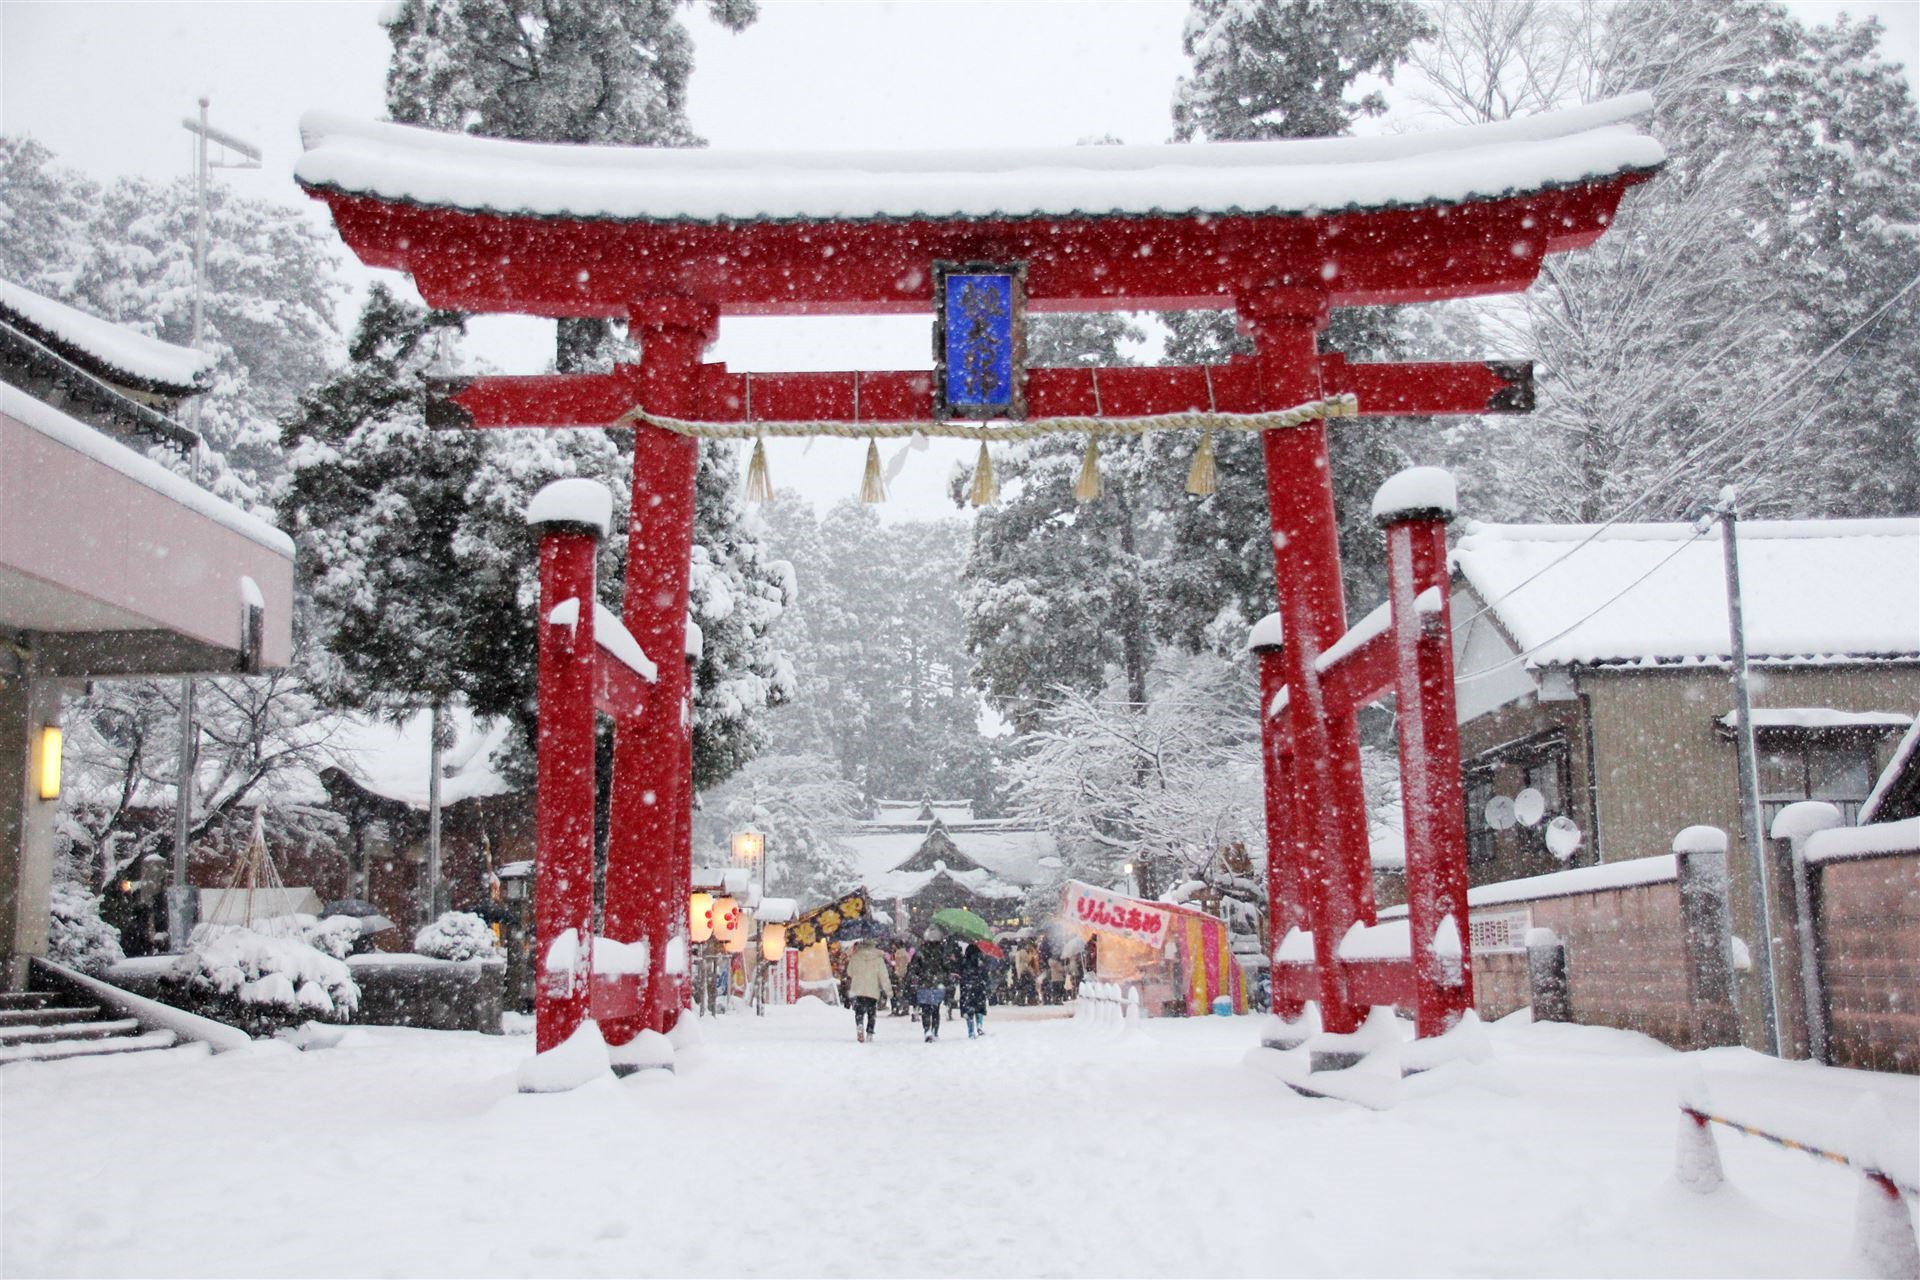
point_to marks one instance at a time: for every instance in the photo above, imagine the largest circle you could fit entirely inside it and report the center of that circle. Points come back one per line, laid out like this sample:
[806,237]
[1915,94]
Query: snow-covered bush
[457,935]
[265,972]
[334,935]
[77,937]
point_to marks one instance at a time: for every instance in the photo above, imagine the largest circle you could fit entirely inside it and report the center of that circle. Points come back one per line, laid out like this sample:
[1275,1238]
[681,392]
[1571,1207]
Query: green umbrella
[962,923]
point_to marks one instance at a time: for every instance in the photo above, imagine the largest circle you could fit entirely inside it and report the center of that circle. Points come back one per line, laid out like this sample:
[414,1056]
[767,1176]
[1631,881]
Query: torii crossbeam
[671,240]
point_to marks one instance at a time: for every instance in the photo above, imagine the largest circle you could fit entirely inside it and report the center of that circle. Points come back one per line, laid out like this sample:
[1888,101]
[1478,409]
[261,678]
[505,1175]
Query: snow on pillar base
[580,1059]
[1697,1157]
[1883,1233]
[650,1050]
[1286,1034]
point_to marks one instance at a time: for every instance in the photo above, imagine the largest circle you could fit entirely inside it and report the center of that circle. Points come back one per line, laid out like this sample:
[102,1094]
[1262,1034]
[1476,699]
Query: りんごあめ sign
[1093,908]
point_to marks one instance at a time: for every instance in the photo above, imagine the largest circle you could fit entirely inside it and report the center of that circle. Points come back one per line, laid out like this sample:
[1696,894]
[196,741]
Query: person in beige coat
[868,982]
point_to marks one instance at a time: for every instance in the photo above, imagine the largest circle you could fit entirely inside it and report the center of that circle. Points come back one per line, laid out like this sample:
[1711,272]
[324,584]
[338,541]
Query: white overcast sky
[104,85]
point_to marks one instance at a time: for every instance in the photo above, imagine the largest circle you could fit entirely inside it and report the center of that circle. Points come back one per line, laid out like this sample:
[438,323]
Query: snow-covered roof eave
[401,164]
[106,349]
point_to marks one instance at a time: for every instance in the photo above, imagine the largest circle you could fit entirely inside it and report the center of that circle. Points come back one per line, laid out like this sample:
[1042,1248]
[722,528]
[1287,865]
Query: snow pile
[76,935]
[456,935]
[1308,176]
[579,1059]
[1881,838]
[1416,493]
[575,502]
[620,959]
[257,968]
[648,1050]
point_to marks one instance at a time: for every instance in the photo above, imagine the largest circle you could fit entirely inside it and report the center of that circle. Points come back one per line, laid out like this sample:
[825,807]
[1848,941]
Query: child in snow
[868,982]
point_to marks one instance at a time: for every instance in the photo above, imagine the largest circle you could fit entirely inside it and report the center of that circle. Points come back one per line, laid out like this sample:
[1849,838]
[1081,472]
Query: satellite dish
[1563,837]
[1529,807]
[1499,813]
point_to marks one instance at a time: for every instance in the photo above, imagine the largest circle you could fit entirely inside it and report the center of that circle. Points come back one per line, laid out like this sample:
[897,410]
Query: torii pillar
[1326,794]
[652,791]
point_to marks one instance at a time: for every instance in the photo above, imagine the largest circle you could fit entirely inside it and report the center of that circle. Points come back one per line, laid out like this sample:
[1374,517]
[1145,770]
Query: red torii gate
[670,240]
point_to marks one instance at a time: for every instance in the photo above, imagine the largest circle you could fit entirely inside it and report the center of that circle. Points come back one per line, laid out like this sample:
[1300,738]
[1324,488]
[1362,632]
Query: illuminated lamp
[700,916]
[728,923]
[49,760]
[749,846]
[737,944]
[773,941]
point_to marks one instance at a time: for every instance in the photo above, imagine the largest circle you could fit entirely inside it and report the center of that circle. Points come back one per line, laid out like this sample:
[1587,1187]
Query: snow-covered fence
[1855,900]
[1106,1004]
[1883,1231]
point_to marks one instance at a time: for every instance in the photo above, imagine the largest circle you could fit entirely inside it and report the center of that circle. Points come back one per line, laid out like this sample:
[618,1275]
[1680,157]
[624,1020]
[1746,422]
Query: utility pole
[433,813]
[1727,512]
[180,897]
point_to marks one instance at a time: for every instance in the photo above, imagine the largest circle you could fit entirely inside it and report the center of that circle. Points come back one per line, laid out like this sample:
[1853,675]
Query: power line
[1700,450]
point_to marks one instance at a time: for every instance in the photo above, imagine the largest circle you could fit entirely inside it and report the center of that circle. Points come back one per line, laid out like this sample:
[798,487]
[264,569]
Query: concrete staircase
[41,1026]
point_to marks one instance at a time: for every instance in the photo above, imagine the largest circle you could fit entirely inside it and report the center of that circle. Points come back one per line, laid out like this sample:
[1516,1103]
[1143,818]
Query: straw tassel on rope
[1088,486]
[759,486]
[1200,477]
[873,487]
[986,488]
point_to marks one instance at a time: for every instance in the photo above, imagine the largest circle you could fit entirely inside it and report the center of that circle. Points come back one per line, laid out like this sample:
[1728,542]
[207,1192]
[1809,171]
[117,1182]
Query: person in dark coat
[927,976]
[976,975]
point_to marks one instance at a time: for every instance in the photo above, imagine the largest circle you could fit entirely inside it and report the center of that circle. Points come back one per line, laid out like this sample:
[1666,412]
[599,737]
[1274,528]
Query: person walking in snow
[927,975]
[868,983]
[975,975]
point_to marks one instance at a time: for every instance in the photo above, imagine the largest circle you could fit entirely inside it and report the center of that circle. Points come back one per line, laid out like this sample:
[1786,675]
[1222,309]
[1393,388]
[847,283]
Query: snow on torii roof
[1301,177]
[1814,590]
[104,348]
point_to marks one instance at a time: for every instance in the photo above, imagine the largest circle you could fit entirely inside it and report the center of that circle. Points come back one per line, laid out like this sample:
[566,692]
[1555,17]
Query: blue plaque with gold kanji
[979,340]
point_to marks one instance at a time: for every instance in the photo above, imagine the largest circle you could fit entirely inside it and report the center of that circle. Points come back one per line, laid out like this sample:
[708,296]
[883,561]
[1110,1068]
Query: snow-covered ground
[782,1147]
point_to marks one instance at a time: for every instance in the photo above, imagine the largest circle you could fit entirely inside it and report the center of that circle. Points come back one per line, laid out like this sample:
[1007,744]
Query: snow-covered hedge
[77,937]
[457,935]
[267,972]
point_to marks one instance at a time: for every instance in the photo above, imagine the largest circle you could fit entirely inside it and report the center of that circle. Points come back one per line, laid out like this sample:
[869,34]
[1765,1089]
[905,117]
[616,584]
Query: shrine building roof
[398,163]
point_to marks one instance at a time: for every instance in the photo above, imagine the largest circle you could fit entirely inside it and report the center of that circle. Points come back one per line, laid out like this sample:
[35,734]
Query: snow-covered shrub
[77,937]
[457,935]
[334,935]
[264,972]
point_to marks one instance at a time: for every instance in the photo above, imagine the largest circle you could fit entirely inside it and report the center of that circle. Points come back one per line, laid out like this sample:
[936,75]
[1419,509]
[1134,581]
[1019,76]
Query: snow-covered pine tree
[606,71]
[803,806]
[1270,69]
[881,661]
[1774,229]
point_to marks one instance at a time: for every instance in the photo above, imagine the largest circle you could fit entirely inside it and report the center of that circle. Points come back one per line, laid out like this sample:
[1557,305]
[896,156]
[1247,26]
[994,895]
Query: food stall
[1178,958]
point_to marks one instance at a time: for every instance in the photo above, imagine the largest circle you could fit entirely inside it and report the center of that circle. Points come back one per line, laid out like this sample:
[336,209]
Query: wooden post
[651,790]
[1700,858]
[563,804]
[1328,801]
[1285,909]
[1414,508]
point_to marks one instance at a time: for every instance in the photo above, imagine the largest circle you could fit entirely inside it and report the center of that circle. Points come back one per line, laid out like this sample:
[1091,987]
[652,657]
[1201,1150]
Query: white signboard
[1092,908]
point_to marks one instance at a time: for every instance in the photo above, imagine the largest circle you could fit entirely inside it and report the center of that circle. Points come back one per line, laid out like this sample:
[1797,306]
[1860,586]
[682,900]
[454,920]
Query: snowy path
[782,1147]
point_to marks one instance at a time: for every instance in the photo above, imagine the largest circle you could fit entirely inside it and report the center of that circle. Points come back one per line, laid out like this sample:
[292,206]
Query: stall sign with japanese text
[1094,908]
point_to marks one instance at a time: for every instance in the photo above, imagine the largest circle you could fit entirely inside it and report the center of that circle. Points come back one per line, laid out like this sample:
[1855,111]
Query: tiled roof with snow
[655,184]
[1007,850]
[394,761]
[102,347]
[1813,590]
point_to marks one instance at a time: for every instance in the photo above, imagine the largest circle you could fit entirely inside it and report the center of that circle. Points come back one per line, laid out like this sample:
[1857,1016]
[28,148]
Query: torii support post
[1327,800]
[1285,909]
[1414,509]
[563,806]
[651,787]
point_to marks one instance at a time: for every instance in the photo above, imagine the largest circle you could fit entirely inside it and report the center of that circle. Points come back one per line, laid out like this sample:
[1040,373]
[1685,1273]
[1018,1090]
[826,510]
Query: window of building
[1810,767]
[1480,836]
